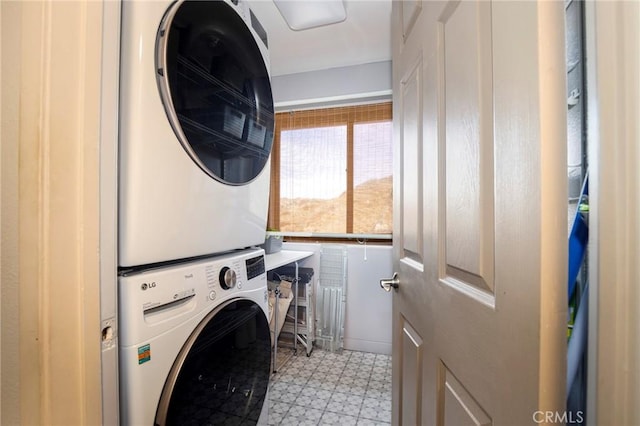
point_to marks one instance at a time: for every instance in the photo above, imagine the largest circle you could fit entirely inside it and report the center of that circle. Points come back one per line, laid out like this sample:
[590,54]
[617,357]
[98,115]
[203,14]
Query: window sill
[333,237]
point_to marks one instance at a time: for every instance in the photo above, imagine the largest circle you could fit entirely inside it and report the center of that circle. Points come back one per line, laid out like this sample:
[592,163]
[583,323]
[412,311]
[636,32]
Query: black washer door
[216,89]
[221,375]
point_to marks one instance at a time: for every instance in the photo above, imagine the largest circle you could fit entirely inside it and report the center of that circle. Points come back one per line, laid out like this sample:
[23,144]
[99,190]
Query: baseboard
[367,346]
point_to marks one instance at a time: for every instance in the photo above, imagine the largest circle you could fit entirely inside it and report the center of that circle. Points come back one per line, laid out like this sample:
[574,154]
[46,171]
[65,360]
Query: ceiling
[365,36]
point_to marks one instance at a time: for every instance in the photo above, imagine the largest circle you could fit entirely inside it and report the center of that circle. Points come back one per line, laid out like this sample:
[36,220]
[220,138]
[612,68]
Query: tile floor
[350,388]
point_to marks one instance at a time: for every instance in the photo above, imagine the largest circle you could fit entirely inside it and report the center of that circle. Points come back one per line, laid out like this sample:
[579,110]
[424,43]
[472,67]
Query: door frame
[51,129]
[612,46]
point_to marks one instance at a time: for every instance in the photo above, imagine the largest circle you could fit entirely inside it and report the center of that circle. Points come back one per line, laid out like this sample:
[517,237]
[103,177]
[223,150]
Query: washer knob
[227,278]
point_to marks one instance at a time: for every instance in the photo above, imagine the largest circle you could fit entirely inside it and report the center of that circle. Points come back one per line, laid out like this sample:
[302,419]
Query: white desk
[284,257]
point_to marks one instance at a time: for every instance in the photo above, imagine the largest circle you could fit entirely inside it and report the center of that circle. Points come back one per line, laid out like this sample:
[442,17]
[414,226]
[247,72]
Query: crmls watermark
[560,417]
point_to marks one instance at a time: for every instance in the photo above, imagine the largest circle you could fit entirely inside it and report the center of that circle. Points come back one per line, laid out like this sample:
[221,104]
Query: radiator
[331,297]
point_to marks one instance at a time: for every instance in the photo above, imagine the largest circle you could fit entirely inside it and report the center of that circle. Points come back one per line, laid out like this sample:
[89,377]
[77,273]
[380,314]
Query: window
[332,171]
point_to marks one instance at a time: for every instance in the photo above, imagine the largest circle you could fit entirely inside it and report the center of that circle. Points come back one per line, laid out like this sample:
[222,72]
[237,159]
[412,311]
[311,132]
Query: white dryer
[196,130]
[195,345]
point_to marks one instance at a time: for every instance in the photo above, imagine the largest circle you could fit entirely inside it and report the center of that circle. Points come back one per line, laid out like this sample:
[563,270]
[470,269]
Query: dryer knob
[227,278]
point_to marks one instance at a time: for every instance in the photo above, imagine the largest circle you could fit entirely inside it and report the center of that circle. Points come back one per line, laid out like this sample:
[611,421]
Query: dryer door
[221,375]
[215,88]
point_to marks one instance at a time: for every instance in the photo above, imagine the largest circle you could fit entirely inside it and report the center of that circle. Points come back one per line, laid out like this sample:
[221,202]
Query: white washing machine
[196,130]
[195,346]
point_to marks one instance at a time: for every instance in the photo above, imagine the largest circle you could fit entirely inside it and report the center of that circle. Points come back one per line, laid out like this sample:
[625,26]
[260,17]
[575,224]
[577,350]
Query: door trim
[612,45]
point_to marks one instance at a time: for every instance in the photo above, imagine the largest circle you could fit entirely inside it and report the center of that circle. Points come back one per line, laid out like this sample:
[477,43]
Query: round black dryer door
[215,88]
[221,375]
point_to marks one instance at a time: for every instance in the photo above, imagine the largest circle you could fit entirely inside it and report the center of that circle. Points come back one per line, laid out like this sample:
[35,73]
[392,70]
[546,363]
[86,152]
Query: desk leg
[276,292]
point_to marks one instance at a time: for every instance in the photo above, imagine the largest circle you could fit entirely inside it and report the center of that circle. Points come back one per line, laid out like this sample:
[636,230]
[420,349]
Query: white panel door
[479,311]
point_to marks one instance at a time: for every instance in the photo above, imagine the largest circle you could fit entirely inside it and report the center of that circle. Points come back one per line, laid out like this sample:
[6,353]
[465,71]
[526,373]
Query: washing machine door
[215,88]
[221,375]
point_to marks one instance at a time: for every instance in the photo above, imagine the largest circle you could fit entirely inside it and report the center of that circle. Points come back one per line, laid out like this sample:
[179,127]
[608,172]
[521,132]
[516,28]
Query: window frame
[334,116]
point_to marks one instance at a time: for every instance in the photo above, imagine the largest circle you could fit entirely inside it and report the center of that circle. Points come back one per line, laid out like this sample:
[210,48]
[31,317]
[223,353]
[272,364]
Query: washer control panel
[228,278]
[255,266]
[225,276]
[164,295]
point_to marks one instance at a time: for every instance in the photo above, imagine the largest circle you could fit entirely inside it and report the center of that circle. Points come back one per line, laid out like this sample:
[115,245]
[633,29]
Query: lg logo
[145,286]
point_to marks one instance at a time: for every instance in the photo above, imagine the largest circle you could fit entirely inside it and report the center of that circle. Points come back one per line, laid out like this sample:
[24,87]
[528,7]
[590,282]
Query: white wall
[368,310]
[367,82]
[368,307]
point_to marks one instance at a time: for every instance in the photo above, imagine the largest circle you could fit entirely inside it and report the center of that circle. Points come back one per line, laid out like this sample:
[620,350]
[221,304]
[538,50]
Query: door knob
[393,282]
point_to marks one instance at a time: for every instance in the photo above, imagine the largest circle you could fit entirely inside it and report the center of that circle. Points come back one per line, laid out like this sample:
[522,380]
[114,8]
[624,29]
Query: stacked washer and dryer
[196,130]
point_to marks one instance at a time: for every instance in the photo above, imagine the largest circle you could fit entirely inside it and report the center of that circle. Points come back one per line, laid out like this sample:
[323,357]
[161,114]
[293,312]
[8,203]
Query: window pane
[372,178]
[313,180]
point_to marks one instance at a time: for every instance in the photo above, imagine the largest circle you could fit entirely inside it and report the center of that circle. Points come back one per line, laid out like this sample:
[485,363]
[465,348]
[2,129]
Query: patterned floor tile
[378,377]
[313,398]
[350,388]
[368,360]
[361,382]
[338,365]
[378,394]
[343,408]
[329,418]
[378,384]
[356,354]
[335,357]
[368,422]
[305,412]
[376,403]
[354,360]
[275,418]
[319,383]
[377,369]
[296,421]
[329,376]
[364,369]
[286,387]
[305,401]
[328,370]
[348,380]
[375,413]
[293,379]
[343,403]
[284,392]
[295,363]
[347,388]
[350,372]
[346,398]
[316,393]
[278,407]
[311,403]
